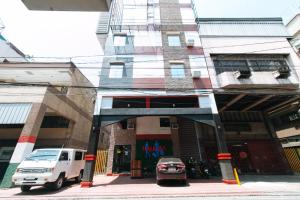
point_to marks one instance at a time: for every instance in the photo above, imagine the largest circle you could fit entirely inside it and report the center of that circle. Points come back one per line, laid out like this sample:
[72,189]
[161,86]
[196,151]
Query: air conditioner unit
[174,126]
[190,42]
[196,74]
[242,73]
[130,126]
[283,72]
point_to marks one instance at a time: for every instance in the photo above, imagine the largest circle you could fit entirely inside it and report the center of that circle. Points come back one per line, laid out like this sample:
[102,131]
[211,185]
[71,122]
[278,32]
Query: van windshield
[43,154]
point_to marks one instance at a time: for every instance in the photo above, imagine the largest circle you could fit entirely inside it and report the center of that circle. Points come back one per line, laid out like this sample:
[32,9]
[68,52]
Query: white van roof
[65,149]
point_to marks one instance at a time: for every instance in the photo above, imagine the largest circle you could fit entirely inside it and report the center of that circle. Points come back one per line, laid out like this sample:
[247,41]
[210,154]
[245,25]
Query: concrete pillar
[223,156]
[26,141]
[90,157]
[175,139]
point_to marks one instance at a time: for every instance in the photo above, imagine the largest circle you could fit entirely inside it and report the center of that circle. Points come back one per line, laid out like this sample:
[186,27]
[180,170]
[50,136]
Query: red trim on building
[224,156]
[147,102]
[149,83]
[25,138]
[153,136]
[189,27]
[229,181]
[202,83]
[86,184]
[89,157]
[152,50]
[195,51]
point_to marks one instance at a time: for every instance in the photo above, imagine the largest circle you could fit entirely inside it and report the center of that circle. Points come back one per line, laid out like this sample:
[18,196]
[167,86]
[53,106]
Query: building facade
[155,97]
[40,108]
[255,75]
[294,29]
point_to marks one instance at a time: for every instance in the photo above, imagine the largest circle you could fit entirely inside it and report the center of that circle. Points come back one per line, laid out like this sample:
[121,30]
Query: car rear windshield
[43,154]
[170,160]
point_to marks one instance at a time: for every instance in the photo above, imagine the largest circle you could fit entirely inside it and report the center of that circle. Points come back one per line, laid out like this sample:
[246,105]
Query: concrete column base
[7,179]
[226,168]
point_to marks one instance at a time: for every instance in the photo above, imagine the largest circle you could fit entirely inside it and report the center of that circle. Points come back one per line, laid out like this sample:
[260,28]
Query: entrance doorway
[122,158]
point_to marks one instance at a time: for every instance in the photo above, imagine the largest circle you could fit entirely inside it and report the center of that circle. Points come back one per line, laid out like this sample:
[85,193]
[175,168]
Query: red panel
[195,51]
[149,83]
[267,157]
[224,156]
[147,102]
[30,139]
[202,83]
[148,50]
[190,27]
[153,136]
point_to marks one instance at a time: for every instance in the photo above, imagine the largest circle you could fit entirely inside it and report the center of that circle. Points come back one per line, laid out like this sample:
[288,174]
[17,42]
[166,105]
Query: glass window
[120,40]
[43,154]
[204,102]
[78,155]
[177,71]
[64,156]
[174,40]
[116,71]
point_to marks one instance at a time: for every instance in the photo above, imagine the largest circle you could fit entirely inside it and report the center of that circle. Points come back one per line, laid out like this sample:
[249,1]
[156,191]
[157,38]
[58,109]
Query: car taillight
[180,166]
[162,167]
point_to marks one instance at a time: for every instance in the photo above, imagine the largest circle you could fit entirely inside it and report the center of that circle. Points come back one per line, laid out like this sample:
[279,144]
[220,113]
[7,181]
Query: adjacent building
[255,77]
[293,27]
[40,108]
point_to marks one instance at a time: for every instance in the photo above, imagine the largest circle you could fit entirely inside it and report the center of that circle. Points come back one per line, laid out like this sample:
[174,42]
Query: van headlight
[48,170]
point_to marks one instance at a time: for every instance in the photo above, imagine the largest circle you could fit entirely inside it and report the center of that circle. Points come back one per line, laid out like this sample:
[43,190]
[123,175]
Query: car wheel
[25,188]
[158,182]
[78,178]
[58,183]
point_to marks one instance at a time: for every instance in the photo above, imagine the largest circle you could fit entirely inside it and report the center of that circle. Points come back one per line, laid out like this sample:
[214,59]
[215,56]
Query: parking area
[123,186]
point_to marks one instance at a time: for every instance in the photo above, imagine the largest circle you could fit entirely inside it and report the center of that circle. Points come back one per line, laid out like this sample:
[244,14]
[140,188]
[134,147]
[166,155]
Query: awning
[14,113]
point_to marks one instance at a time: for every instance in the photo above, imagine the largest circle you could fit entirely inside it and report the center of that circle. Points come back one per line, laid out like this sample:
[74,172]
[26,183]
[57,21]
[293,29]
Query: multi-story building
[254,73]
[294,29]
[155,97]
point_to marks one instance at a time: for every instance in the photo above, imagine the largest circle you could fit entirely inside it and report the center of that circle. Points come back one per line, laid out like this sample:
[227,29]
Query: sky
[59,34]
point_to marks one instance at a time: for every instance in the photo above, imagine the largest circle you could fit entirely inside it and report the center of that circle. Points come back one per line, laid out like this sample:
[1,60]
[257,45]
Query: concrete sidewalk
[124,187]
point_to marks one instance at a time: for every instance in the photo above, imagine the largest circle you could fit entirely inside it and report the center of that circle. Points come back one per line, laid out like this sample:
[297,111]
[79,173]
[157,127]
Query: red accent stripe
[121,174]
[147,102]
[224,156]
[25,138]
[153,137]
[90,157]
[228,181]
[86,184]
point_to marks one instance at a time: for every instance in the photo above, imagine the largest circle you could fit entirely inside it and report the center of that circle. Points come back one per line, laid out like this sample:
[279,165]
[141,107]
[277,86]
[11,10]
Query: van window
[64,156]
[78,155]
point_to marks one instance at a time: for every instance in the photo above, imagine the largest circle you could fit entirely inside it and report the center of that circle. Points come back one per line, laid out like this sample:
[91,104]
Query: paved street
[113,187]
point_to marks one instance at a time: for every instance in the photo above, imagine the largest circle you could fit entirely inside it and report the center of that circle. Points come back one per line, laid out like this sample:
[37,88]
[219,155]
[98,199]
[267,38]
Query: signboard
[149,151]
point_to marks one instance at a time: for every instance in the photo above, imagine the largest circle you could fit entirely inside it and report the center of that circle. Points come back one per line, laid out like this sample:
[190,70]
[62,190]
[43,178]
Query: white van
[49,168]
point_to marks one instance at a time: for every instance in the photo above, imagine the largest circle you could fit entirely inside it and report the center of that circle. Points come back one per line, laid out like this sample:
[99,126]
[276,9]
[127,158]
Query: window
[268,65]
[177,71]
[116,71]
[174,41]
[120,40]
[164,122]
[55,122]
[204,102]
[78,155]
[230,65]
[64,156]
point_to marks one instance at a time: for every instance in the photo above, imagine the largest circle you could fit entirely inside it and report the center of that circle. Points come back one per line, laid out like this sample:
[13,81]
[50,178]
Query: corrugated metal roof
[14,113]
[242,27]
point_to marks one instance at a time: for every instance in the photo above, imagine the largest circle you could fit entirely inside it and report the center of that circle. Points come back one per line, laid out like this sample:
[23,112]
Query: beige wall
[150,125]
[288,132]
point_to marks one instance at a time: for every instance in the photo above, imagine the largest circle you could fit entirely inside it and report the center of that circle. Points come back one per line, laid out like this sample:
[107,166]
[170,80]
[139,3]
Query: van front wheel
[58,183]
[25,188]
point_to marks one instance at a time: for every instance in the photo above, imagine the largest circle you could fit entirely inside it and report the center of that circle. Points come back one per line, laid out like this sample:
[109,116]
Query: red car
[170,168]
